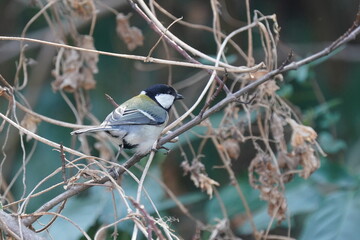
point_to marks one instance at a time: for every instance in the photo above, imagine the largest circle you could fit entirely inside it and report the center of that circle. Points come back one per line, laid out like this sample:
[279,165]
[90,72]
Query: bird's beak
[179,96]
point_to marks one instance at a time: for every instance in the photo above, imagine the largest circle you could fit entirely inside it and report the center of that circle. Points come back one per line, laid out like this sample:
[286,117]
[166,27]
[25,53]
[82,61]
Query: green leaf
[338,218]
[333,175]
[353,157]
[329,119]
[322,110]
[302,197]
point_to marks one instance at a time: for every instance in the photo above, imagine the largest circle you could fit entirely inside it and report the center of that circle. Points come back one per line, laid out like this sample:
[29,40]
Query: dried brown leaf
[76,69]
[68,76]
[90,58]
[205,183]
[132,36]
[30,122]
[301,134]
[270,87]
[263,175]
[308,160]
[199,176]
[277,130]
[81,8]
[256,75]
[87,80]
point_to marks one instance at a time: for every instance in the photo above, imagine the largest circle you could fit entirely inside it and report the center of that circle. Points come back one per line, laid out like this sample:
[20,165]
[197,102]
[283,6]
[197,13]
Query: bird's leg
[121,147]
[166,149]
[155,148]
[113,171]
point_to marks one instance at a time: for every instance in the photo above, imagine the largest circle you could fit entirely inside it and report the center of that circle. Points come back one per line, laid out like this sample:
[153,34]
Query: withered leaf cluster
[283,146]
[75,69]
[269,173]
[302,141]
[264,176]
[199,176]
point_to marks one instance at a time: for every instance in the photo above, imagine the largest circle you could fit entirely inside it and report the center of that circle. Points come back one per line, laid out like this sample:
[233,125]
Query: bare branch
[10,225]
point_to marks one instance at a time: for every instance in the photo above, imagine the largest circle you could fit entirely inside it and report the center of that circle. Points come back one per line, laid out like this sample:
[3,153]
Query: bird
[137,123]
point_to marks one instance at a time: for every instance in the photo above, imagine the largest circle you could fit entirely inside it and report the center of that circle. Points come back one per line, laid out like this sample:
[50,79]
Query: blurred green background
[326,93]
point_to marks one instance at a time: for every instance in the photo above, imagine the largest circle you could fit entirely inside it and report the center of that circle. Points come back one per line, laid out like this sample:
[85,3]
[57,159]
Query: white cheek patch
[165,100]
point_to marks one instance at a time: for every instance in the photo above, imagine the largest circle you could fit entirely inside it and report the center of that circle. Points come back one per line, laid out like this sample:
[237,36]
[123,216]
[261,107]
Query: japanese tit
[137,123]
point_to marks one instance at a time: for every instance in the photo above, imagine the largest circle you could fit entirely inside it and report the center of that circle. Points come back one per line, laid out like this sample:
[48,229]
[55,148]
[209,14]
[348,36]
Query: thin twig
[240,69]
[39,138]
[161,37]
[61,207]
[9,97]
[111,100]
[216,93]
[63,163]
[151,222]
[140,187]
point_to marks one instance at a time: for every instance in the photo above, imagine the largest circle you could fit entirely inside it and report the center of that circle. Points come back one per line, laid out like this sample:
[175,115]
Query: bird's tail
[89,130]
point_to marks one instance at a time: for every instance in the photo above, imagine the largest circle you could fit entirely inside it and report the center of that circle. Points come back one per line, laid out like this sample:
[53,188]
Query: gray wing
[122,116]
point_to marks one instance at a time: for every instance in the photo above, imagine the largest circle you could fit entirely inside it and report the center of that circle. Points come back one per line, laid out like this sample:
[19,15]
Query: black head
[163,94]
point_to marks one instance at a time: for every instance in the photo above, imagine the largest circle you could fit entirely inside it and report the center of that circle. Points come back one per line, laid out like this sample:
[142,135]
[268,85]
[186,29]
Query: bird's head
[163,94]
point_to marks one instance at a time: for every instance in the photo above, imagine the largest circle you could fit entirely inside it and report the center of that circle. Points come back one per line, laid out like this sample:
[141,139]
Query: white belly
[142,137]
